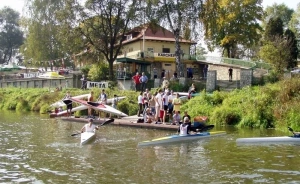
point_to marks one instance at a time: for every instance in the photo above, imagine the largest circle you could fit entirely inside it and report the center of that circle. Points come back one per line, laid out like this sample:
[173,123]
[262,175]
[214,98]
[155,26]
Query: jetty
[130,121]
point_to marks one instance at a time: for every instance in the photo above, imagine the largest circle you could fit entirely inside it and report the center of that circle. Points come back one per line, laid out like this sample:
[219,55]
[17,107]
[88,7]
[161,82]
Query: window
[130,49]
[166,50]
[150,50]
[129,37]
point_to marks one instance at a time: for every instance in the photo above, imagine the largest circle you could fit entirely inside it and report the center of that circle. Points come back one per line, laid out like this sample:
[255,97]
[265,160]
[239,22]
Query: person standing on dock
[143,80]
[176,103]
[136,81]
[158,105]
[140,104]
[90,99]
[69,105]
[103,97]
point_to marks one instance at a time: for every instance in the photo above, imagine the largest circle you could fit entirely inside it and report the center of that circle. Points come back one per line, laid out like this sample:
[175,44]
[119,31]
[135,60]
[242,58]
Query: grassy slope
[273,105]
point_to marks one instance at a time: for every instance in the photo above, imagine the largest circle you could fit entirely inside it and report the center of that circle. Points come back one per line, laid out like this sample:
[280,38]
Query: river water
[36,149]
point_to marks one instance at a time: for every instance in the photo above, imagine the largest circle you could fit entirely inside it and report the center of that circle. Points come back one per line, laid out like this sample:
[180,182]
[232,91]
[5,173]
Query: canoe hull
[282,139]
[178,138]
[87,137]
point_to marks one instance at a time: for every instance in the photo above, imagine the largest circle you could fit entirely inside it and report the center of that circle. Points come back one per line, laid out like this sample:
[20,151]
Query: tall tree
[276,52]
[294,23]
[104,24]
[274,28]
[181,17]
[11,36]
[277,10]
[227,22]
[42,44]
[293,50]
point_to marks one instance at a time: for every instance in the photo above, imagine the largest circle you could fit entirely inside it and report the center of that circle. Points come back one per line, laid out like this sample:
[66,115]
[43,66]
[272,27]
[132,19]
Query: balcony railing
[208,59]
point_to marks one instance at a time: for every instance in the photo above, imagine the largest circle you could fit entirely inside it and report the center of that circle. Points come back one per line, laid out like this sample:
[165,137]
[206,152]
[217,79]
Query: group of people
[140,81]
[155,108]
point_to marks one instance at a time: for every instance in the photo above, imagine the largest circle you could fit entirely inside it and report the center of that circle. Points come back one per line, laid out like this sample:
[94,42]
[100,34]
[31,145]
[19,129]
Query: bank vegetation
[269,106]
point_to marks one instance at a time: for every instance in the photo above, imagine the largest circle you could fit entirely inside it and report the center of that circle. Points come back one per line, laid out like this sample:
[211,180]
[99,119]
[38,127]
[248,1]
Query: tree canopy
[11,36]
[228,24]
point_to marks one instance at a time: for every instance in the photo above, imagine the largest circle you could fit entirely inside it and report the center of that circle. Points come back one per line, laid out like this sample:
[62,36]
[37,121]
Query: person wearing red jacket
[136,81]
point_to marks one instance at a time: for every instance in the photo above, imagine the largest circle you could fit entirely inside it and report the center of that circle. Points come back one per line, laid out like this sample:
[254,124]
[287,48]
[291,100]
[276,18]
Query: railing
[209,59]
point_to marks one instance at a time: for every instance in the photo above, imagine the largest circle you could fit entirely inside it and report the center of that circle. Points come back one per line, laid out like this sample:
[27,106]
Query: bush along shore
[270,106]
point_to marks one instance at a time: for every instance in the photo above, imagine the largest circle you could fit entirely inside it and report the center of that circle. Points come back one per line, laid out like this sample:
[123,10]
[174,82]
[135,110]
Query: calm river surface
[36,149]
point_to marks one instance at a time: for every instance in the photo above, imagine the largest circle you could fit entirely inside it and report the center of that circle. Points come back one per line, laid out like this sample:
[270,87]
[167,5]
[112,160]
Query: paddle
[291,130]
[296,134]
[104,123]
[206,128]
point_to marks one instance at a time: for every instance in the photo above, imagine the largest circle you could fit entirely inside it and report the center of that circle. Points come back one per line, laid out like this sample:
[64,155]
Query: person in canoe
[89,127]
[184,128]
[200,123]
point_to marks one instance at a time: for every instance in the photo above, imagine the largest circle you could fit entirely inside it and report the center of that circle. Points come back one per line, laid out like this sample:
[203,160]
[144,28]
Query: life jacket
[183,130]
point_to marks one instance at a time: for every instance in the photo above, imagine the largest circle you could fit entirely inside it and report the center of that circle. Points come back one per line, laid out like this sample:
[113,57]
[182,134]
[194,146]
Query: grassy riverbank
[273,105]
[270,106]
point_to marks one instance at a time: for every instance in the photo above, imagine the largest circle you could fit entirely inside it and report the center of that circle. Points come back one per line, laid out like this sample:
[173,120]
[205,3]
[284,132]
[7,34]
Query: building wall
[157,47]
[158,63]
[222,72]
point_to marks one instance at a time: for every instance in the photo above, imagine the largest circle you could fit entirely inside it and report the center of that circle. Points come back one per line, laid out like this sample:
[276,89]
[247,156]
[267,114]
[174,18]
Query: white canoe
[86,137]
[178,138]
[61,103]
[283,139]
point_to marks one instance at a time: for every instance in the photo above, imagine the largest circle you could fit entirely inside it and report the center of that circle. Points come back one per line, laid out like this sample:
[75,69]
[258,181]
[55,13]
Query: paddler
[89,127]
[184,128]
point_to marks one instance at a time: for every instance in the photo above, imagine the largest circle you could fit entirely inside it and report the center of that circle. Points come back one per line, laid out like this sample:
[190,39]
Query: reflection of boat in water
[178,138]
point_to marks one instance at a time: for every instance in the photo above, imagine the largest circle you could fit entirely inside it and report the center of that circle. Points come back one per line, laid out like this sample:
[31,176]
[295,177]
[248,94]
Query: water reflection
[35,149]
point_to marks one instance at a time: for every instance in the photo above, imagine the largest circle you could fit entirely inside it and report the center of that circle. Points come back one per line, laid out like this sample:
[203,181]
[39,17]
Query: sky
[18,4]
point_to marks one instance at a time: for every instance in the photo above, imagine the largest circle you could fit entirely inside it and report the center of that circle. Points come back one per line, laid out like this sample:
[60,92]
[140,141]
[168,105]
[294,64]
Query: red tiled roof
[160,34]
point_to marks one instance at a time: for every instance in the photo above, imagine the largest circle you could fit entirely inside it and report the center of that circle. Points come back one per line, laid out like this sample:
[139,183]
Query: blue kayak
[178,138]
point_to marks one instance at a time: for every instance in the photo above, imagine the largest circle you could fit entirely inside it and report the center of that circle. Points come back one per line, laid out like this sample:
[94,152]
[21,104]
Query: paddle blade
[290,129]
[206,128]
[107,122]
[75,134]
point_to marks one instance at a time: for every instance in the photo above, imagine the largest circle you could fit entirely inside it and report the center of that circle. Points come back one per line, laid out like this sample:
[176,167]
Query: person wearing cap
[89,127]
[184,128]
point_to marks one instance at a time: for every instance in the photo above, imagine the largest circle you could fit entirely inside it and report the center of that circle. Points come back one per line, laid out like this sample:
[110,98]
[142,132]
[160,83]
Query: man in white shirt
[165,105]
[158,105]
[140,103]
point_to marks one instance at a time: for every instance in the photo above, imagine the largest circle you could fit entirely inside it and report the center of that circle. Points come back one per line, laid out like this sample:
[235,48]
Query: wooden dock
[130,121]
